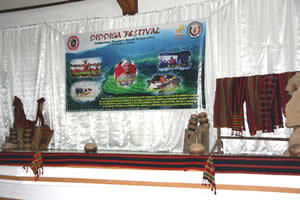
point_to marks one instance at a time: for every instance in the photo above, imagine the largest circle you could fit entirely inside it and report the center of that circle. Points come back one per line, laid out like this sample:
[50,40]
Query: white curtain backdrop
[244,37]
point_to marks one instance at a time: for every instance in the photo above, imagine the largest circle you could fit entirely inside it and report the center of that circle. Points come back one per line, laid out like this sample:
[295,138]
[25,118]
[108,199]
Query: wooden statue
[293,115]
[190,134]
[19,120]
[196,138]
[39,121]
[202,131]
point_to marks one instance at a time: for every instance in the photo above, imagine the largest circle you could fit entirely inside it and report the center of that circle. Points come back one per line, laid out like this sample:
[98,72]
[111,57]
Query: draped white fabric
[244,37]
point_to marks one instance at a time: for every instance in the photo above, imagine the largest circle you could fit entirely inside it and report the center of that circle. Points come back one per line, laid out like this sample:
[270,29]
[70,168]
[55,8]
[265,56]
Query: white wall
[82,10]
[11,4]
[70,11]
[154,5]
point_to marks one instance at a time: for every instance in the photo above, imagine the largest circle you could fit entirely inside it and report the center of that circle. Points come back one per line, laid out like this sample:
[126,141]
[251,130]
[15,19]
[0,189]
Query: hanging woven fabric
[209,174]
[223,104]
[36,165]
[253,105]
[267,84]
[238,97]
[284,95]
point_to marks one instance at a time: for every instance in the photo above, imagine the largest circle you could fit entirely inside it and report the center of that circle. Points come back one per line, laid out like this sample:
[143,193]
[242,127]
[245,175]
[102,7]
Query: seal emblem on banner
[194,29]
[73,42]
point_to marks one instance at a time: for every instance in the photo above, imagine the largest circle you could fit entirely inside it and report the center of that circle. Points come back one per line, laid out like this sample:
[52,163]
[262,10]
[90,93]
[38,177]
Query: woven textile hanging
[209,174]
[265,97]
[36,165]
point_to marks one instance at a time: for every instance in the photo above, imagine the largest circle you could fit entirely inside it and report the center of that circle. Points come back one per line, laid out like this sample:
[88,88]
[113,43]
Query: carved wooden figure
[190,134]
[202,131]
[293,115]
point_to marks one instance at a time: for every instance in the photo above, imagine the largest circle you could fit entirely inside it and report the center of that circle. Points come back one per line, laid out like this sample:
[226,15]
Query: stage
[77,175]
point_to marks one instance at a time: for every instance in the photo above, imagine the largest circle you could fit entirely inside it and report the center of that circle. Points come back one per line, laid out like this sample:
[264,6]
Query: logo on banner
[194,29]
[73,42]
[179,30]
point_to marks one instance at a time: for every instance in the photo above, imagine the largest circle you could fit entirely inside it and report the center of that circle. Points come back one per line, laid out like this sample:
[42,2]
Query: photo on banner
[154,67]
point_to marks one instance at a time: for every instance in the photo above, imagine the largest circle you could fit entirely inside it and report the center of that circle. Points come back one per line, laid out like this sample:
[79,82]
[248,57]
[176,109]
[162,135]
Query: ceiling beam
[129,7]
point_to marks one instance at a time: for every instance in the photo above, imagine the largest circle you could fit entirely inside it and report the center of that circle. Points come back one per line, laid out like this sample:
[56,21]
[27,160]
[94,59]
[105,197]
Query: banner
[155,67]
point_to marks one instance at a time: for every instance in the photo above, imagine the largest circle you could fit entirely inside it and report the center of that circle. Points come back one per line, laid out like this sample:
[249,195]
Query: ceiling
[128,6]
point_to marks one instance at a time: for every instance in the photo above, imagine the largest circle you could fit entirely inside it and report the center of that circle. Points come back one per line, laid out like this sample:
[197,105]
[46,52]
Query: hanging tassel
[209,174]
[25,167]
[36,165]
[237,124]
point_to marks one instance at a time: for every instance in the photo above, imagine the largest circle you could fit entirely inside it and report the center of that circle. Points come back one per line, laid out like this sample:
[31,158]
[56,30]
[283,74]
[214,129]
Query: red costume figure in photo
[120,70]
[86,66]
[125,73]
[172,61]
